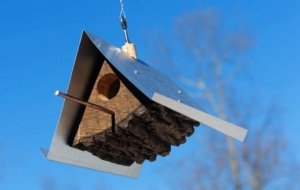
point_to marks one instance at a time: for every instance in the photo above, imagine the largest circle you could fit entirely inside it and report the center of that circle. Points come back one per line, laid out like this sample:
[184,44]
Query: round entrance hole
[108,86]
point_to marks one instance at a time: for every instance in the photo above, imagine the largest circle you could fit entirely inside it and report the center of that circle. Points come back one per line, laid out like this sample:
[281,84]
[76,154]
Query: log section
[144,134]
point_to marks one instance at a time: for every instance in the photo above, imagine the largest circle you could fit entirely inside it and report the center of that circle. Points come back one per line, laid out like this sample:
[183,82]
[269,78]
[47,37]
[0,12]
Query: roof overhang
[85,70]
[151,83]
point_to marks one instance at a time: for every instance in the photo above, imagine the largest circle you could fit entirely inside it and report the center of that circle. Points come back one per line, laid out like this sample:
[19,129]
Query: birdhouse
[119,112]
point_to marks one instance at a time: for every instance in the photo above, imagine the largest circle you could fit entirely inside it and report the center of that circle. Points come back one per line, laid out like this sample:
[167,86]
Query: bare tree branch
[209,59]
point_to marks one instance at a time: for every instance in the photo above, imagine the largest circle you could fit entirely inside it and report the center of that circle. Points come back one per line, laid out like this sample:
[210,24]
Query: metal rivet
[136,72]
[179,91]
[179,101]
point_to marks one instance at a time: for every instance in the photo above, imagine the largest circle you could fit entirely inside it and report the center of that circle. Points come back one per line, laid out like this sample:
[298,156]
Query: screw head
[179,91]
[179,101]
[136,72]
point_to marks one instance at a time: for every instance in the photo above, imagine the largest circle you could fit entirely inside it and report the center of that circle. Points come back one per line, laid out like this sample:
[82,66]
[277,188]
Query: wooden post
[129,48]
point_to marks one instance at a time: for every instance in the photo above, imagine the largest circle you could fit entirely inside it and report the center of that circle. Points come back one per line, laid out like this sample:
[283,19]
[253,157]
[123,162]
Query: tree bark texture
[144,134]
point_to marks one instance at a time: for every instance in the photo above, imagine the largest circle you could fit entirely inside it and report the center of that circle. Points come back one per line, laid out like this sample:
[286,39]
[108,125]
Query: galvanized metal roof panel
[220,125]
[146,78]
[87,60]
[154,84]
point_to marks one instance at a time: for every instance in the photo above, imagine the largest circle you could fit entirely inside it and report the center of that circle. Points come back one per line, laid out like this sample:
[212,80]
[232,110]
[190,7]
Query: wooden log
[144,148]
[187,128]
[177,115]
[168,120]
[164,130]
[121,146]
[139,129]
[144,134]
[131,143]
[118,147]
[109,154]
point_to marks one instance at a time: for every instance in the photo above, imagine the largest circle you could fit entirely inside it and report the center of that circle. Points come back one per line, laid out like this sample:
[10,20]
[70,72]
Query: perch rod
[58,93]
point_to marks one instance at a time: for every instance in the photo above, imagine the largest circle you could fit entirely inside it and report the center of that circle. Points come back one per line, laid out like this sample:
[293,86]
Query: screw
[136,72]
[179,101]
[179,91]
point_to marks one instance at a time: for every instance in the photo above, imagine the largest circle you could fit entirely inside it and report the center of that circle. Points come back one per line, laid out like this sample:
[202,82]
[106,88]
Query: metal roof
[146,78]
[154,84]
[157,86]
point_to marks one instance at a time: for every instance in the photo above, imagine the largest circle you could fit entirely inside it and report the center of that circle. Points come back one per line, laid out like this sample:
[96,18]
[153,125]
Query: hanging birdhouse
[120,112]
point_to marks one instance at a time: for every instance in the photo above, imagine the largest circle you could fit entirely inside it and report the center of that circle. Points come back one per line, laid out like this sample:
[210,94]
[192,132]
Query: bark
[144,134]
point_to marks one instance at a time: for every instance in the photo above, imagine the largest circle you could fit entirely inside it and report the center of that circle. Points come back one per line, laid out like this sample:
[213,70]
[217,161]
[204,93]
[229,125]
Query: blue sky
[38,44]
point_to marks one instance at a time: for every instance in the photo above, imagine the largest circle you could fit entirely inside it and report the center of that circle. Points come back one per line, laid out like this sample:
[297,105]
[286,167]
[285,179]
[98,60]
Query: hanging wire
[122,13]
[123,22]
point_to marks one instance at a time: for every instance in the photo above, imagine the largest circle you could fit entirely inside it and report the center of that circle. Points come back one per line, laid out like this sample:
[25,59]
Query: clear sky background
[38,44]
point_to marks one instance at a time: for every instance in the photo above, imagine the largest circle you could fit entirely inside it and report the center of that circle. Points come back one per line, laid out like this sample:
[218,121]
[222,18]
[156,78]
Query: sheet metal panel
[146,78]
[220,125]
[156,85]
[86,61]
[44,152]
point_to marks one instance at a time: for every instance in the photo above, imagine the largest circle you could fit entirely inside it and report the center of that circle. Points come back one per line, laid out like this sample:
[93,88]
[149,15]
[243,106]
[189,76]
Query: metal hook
[123,22]
[124,26]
